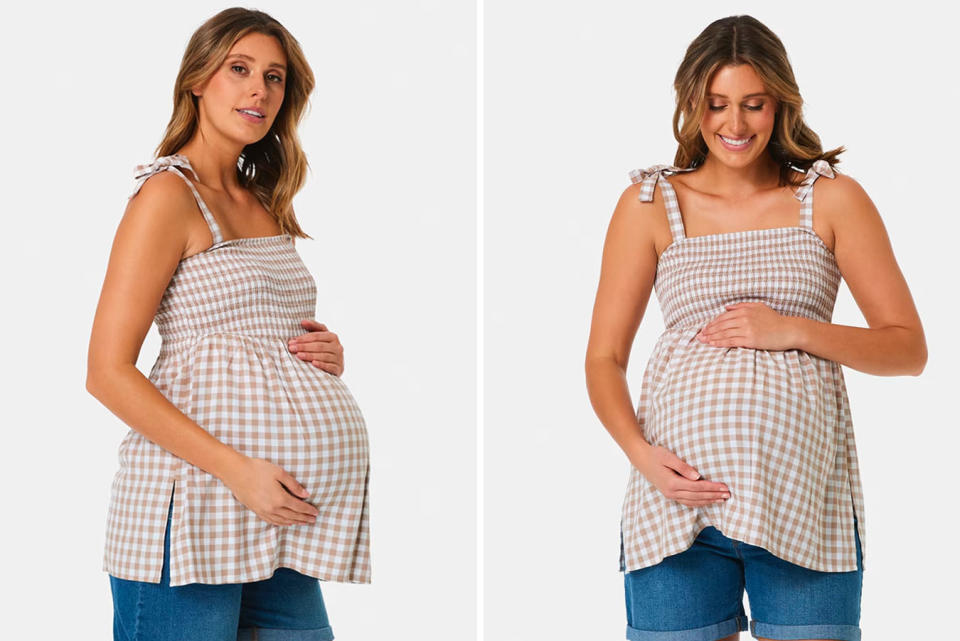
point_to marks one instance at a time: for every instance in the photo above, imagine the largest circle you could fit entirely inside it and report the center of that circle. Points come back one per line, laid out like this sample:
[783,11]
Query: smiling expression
[739,115]
[242,99]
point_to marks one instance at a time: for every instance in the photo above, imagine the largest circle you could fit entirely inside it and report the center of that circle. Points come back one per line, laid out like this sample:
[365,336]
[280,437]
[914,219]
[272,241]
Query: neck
[733,181]
[215,163]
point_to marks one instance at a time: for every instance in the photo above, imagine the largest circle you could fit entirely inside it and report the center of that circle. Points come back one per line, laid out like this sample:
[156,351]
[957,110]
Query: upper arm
[147,247]
[627,273]
[865,256]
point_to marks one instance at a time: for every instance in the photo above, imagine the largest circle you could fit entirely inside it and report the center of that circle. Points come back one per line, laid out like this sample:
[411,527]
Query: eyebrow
[749,95]
[242,55]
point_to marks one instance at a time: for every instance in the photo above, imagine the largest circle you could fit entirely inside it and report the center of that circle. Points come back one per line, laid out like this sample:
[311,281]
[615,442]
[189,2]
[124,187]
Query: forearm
[610,397]
[127,393]
[883,351]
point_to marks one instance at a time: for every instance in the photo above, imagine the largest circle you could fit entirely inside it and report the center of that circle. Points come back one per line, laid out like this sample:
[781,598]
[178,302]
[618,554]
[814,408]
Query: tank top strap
[171,163]
[648,179]
[804,192]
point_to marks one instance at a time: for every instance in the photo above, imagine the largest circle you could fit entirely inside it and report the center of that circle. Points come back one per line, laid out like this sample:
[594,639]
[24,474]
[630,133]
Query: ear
[199,89]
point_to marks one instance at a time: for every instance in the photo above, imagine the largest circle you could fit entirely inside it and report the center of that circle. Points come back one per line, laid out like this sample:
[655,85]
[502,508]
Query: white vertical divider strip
[480,324]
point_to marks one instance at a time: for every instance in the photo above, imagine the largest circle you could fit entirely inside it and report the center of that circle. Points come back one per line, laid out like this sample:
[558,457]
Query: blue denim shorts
[286,607]
[697,595]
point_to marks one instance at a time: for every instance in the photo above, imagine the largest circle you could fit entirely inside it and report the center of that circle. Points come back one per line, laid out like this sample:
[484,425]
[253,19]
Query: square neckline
[740,232]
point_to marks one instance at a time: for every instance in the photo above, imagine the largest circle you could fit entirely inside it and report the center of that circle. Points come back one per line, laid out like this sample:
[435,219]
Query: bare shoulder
[638,211]
[163,195]
[860,239]
[166,207]
[644,221]
[844,204]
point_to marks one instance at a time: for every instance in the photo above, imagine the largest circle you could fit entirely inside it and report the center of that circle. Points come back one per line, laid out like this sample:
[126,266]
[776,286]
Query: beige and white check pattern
[774,426]
[225,319]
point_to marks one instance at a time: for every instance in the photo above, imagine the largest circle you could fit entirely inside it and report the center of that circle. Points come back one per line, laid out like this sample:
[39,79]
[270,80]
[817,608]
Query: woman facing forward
[243,479]
[744,465]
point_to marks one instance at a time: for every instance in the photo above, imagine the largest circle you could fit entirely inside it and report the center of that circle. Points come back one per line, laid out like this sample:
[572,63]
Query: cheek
[218,89]
[765,121]
[708,126]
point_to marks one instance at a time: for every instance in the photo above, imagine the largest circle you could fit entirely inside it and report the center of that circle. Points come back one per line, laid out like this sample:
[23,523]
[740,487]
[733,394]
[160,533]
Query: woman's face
[739,115]
[251,79]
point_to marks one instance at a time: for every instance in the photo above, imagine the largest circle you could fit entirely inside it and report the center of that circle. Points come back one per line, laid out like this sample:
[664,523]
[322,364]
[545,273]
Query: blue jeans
[697,595]
[286,607]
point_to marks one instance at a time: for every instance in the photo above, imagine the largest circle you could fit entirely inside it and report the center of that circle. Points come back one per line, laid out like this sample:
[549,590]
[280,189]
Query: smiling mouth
[251,114]
[736,142]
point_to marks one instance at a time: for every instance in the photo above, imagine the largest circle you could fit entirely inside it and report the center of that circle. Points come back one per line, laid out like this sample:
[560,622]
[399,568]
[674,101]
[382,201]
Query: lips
[732,143]
[250,116]
[735,141]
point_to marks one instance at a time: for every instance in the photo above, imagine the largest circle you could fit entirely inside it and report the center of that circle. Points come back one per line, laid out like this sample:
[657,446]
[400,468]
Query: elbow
[589,363]
[97,376]
[920,356]
[914,359]
[588,360]
[920,363]
[597,362]
[92,383]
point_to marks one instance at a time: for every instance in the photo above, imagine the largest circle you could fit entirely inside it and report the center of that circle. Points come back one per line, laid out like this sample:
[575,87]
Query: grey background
[390,201]
[574,99]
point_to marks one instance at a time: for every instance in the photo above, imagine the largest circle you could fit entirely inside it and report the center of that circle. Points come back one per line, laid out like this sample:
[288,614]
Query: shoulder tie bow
[142,172]
[648,178]
[820,167]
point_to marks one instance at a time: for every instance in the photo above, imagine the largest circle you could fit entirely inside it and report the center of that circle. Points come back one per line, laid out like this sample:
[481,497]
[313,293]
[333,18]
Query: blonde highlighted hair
[737,40]
[275,167]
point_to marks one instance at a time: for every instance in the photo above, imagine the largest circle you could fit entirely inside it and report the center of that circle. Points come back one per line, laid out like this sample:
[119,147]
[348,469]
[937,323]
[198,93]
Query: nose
[257,86]
[737,121]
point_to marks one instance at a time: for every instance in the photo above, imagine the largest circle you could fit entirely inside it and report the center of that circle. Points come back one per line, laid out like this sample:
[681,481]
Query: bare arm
[626,279]
[148,246]
[894,342]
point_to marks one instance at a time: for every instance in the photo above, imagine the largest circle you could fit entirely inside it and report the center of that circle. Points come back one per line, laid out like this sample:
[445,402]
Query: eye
[278,78]
[748,107]
[238,67]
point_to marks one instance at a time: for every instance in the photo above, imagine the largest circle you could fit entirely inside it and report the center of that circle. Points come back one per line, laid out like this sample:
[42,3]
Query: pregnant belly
[746,416]
[257,397]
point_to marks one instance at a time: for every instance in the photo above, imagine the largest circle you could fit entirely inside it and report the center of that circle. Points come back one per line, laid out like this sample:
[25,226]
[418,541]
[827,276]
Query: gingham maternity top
[774,426]
[225,319]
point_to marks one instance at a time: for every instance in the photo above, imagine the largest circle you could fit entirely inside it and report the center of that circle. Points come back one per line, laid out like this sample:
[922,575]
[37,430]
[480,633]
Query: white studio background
[576,97]
[391,203]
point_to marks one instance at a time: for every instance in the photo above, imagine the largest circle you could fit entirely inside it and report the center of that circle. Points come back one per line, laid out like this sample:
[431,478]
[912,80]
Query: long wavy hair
[275,167]
[739,40]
